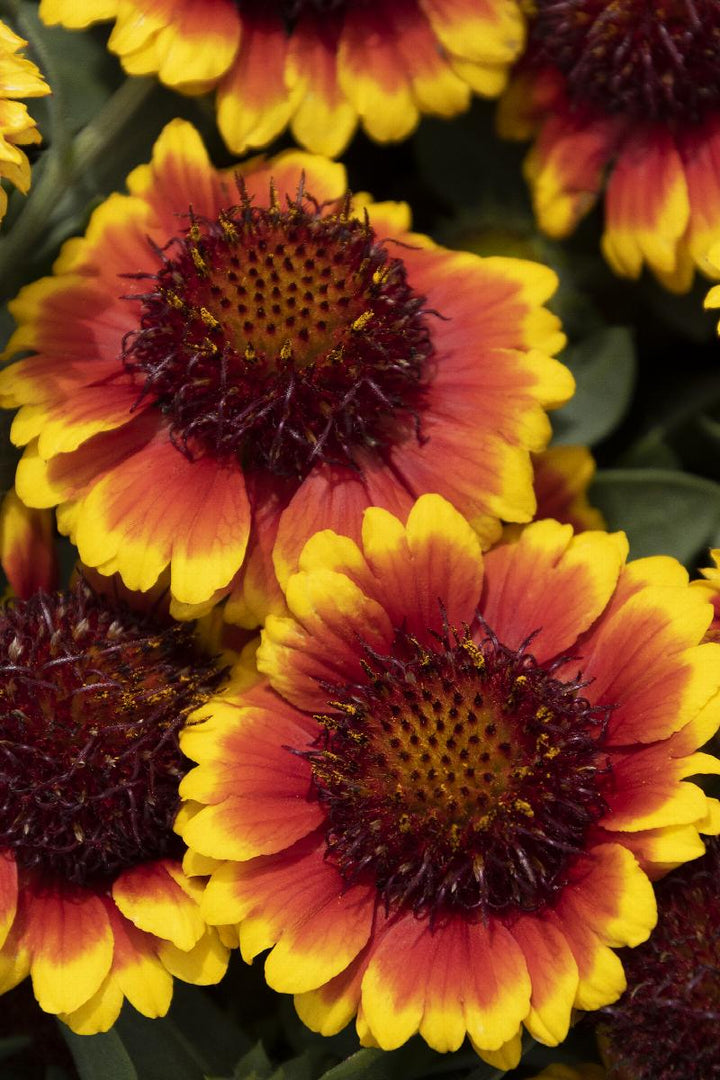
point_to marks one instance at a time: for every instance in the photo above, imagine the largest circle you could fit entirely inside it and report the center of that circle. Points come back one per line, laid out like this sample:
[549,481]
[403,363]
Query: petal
[641,659]
[332,1006]
[553,976]
[158,898]
[99,1012]
[71,945]
[8,894]
[27,547]
[550,583]
[646,204]
[136,971]
[253,101]
[373,77]
[647,789]
[296,902]
[324,121]
[259,791]
[700,151]
[565,168]
[203,965]
[319,644]
[445,982]
[156,508]
[435,557]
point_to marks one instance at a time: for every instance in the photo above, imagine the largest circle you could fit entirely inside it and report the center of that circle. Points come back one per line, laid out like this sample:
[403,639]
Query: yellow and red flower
[19,78]
[318,65]
[666,1025]
[214,368]
[563,475]
[94,903]
[625,98]
[440,805]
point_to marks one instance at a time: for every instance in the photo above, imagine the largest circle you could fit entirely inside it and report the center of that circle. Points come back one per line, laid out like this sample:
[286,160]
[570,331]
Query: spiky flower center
[92,698]
[650,59]
[462,777]
[282,338]
[665,1027]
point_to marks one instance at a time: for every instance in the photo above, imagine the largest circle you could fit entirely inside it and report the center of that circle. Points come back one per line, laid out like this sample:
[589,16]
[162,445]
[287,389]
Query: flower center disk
[649,59]
[92,699]
[461,777]
[282,338]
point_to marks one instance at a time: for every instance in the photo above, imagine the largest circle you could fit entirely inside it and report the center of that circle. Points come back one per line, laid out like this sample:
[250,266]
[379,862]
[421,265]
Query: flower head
[96,907]
[19,78]
[439,805]
[665,1027]
[319,65]
[626,93]
[224,361]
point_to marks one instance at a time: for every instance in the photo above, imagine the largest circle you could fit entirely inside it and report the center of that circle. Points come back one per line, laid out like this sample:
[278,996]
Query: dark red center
[462,777]
[282,338]
[667,1025]
[92,699]
[650,59]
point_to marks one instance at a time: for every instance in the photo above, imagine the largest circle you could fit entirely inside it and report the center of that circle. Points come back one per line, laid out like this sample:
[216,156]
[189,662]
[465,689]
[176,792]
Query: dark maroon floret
[92,700]
[667,1024]
[650,59]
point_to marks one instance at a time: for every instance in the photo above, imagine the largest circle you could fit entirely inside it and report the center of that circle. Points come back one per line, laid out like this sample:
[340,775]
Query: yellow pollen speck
[474,653]
[209,319]
[250,354]
[521,680]
[286,352]
[524,808]
[552,752]
[362,321]
[544,714]
[200,264]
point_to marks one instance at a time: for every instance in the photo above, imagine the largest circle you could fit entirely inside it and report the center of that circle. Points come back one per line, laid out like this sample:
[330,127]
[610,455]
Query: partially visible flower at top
[563,475]
[94,903]
[441,802]
[216,369]
[625,92]
[19,78]
[318,65]
[667,1024]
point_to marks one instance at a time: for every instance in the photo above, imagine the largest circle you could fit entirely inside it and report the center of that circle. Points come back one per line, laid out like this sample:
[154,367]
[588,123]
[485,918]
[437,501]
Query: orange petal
[258,794]
[456,979]
[71,946]
[253,100]
[553,975]
[27,547]
[157,508]
[324,121]
[550,582]
[296,902]
[566,168]
[8,894]
[646,204]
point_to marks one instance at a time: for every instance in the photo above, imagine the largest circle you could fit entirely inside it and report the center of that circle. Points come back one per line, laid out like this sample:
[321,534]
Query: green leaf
[100,1057]
[255,1065]
[605,369]
[662,511]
